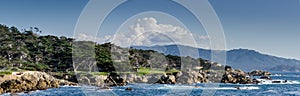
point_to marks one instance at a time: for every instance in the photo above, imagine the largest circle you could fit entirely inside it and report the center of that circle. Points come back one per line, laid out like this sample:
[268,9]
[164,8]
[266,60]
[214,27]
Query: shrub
[5,72]
[29,68]
[143,71]
[172,71]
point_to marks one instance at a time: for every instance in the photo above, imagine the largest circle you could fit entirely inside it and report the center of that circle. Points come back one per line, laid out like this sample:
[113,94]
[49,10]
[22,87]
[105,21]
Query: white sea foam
[277,75]
[211,88]
[278,81]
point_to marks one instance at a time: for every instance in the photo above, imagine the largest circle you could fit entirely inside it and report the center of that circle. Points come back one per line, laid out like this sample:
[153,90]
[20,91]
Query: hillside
[26,50]
[238,58]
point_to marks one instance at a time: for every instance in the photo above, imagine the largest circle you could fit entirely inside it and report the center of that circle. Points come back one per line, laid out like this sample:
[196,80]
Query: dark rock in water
[128,89]
[276,81]
[238,88]
[259,73]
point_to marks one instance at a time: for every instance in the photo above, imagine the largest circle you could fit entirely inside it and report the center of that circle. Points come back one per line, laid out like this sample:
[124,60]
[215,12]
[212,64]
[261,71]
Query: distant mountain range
[243,59]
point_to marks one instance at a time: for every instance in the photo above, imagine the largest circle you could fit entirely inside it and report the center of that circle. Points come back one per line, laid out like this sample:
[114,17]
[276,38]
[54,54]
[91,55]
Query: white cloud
[148,32]
[86,37]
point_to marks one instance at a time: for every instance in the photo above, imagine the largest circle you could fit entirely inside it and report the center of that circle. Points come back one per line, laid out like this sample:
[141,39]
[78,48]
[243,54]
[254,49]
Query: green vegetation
[5,72]
[144,71]
[35,67]
[26,50]
[172,71]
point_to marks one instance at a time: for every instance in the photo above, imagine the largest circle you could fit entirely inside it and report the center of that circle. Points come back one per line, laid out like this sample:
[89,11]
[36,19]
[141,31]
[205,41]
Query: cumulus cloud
[148,32]
[86,37]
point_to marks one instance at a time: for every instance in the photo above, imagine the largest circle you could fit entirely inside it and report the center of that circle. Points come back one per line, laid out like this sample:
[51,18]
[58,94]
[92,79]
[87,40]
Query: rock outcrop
[30,81]
[185,77]
[167,79]
[182,77]
[236,76]
[114,79]
[190,77]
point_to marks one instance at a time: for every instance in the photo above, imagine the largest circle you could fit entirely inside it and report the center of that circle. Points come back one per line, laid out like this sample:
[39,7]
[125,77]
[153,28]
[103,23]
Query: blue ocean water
[184,90]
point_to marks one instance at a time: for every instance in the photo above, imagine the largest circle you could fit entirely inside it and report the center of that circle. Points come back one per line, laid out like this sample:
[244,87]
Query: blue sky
[55,17]
[269,26]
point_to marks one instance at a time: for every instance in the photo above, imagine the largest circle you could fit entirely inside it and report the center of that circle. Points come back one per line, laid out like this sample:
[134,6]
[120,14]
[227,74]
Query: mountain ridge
[245,59]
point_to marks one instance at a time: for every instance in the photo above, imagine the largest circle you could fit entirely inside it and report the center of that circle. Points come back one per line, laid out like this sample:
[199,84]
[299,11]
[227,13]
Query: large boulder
[84,80]
[214,76]
[191,77]
[167,79]
[54,84]
[30,81]
[113,79]
[42,85]
[236,76]
[141,79]
[100,80]
[153,78]
[1,91]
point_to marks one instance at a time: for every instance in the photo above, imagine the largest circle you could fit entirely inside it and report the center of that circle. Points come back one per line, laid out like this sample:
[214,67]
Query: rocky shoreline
[183,77]
[34,80]
[31,81]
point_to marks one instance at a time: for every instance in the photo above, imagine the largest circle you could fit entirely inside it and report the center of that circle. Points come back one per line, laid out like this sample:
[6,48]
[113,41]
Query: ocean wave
[69,86]
[293,92]
[277,75]
[269,92]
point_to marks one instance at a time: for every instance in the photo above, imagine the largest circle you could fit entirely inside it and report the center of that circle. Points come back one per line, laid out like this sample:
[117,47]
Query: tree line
[26,50]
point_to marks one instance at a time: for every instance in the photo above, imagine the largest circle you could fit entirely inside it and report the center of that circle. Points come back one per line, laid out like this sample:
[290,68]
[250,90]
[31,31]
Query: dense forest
[26,50]
[29,51]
